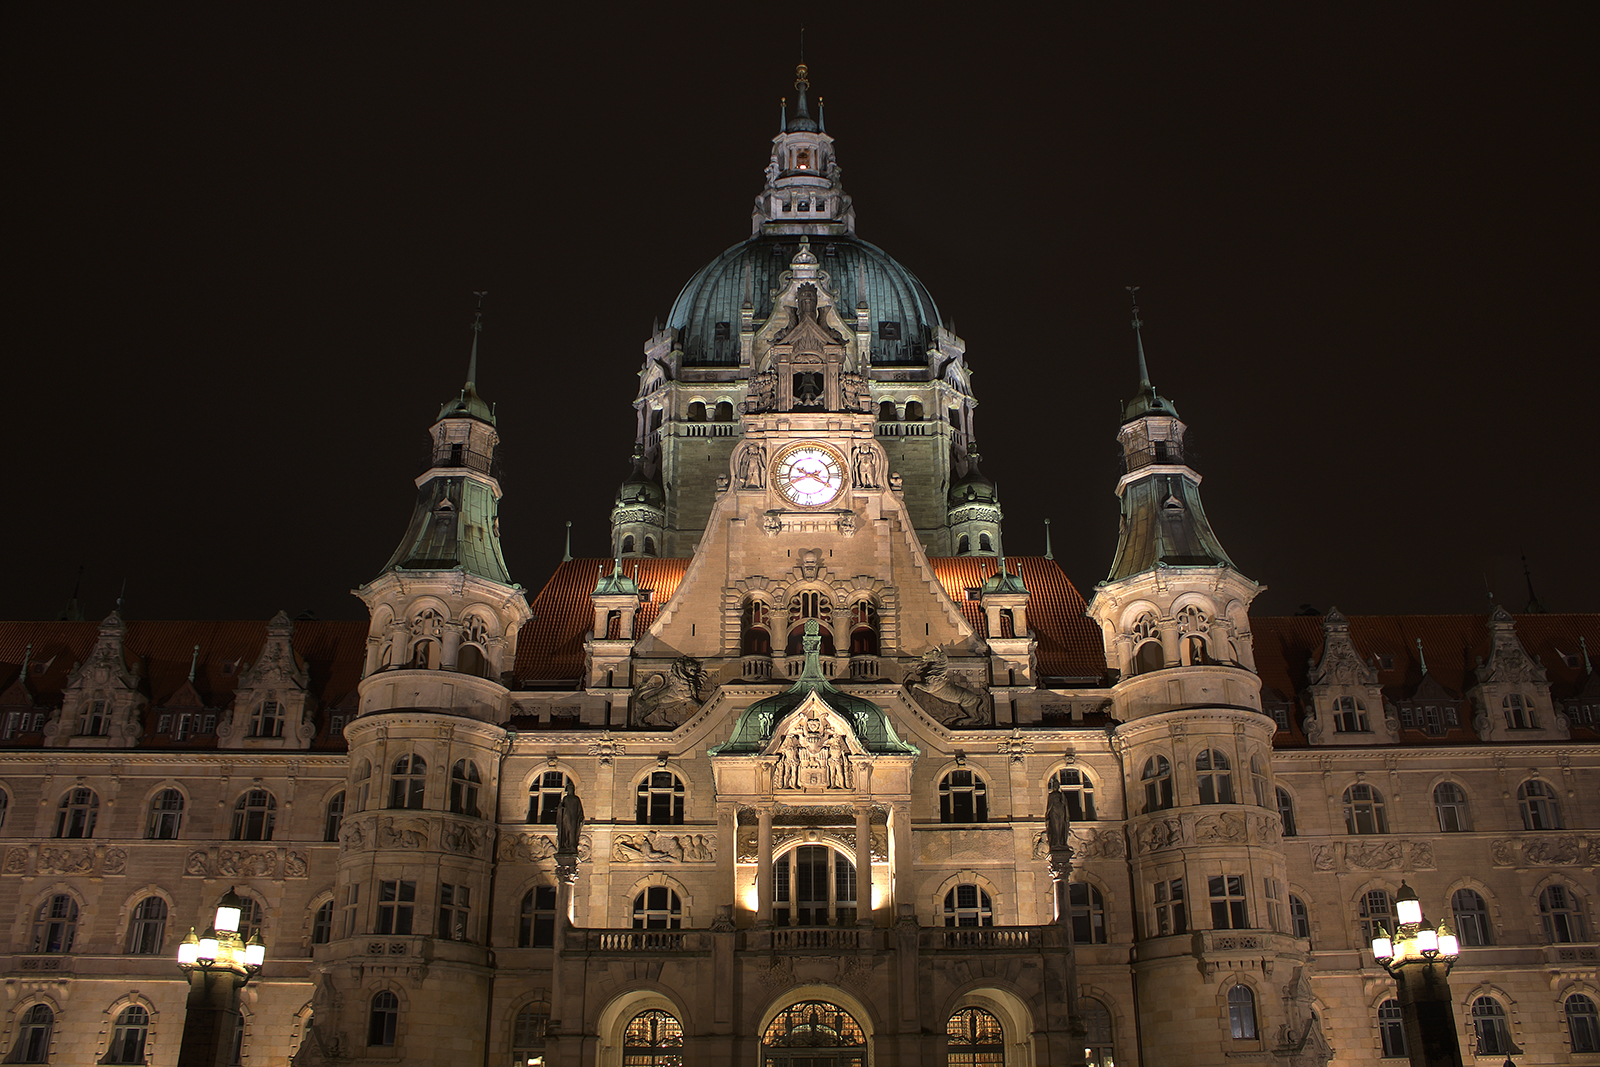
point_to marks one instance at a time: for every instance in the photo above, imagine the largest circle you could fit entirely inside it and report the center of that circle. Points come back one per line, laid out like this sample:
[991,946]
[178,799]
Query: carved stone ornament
[66,860]
[16,861]
[607,749]
[1508,660]
[944,695]
[247,863]
[656,846]
[814,750]
[1340,664]
[533,848]
[667,699]
[1215,829]
[1159,834]
[1373,856]
[466,839]
[1016,746]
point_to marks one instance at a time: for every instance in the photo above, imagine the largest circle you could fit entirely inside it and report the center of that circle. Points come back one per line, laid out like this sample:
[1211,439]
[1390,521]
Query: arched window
[886,411]
[1538,803]
[649,545]
[697,411]
[913,411]
[756,628]
[1079,788]
[1349,716]
[33,1038]
[1242,1013]
[1088,914]
[1563,920]
[984,543]
[810,605]
[470,660]
[254,816]
[1376,909]
[1286,812]
[964,546]
[863,628]
[1363,811]
[383,1020]
[147,928]
[968,905]
[1157,778]
[1299,917]
[166,816]
[814,885]
[322,924]
[724,411]
[77,812]
[333,820]
[1471,916]
[1583,1024]
[975,1039]
[657,907]
[1392,1029]
[660,800]
[963,797]
[1450,804]
[250,917]
[363,784]
[1216,779]
[1519,713]
[1489,1024]
[1258,781]
[653,1039]
[1100,1050]
[536,924]
[813,1024]
[544,796]
[627,544]
[528,1029]
[5,802]
[128,1035]
[464,782]
[408,784]
[55,924]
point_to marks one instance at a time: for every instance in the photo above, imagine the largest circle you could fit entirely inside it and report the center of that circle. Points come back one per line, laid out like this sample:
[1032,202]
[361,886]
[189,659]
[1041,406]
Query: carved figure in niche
[813,753]
[1057,821]
[569,821]
[666,700]
[1323,858]
[865,469]
[753,467]
[931,678]
[196,864]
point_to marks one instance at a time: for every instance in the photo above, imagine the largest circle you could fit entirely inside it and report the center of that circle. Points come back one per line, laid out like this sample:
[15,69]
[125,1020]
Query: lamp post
[218,964]
[1420,958]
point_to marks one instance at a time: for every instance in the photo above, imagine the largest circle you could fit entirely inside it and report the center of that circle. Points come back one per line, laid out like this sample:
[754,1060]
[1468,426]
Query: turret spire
[1047,553]
[477,328]
[1535,605]
[1138,338]
[802,120]
[1421,658]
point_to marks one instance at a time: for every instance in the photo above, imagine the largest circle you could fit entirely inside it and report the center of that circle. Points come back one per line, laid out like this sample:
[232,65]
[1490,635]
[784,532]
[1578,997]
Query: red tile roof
[1069,643]
[550,647]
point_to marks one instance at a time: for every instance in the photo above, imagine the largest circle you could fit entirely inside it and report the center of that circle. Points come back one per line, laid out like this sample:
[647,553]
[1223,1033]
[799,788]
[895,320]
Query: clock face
[809,475]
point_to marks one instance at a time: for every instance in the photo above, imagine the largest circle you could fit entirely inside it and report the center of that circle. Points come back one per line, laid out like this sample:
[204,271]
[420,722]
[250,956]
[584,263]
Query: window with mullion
[1229,909]
[396,903]
[660,799]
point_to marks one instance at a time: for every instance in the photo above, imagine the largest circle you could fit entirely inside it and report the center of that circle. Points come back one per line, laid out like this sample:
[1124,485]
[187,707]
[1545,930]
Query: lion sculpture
[665,700]
[931,675]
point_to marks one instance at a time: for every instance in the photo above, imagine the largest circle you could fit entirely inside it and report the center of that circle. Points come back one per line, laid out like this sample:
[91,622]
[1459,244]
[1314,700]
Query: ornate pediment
[278,666]
[1508,660]
[814,749]
[1340,663]
[106,666]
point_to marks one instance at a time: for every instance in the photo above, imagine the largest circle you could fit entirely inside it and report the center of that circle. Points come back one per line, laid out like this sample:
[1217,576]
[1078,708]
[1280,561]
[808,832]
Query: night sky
[243,247]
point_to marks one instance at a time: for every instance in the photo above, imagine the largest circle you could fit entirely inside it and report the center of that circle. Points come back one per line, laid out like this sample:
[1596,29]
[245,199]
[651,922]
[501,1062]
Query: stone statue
[932,677]
[666,699]
[753,467]
[866,472]
[569,821]
[1057,822]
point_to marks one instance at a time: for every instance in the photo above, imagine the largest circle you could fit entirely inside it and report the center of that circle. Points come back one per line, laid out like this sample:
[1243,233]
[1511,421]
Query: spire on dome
[1147,401]
[469,403]
[477,328]
[802,121]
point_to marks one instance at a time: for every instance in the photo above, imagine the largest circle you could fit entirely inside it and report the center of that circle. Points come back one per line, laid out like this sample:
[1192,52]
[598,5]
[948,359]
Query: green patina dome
[758,722]
[706,313]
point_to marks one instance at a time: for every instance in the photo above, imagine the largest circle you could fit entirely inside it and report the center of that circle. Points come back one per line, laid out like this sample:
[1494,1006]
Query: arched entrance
[813,1033]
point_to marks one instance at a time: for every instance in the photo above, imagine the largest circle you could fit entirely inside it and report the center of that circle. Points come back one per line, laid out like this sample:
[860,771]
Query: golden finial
[800,81]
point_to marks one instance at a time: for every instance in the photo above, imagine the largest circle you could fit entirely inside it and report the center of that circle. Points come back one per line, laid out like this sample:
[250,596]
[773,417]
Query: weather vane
[477,320]
[1133,298]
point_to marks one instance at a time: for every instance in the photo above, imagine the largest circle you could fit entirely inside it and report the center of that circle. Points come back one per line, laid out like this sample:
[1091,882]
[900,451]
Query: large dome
[715,295]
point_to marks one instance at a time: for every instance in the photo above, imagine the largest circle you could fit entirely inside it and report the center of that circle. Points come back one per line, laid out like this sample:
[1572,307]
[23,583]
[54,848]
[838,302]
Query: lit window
[1242,1013]
[1080,793]
[1216,779]
[1489,1024]
[653,1039]
[1392,1029]
[396,905]
[968,905]
[1364,811]
[1228,905]
[148,927]
[536,926]
[1558,908]
[963,797]
[255,814]
[77,813]
[1088,914]
[1583,1024]
[55,925]
[1450,804]
[1100,1046]
[1157,778]
[1376,909]
[128,1035]
[166,816]
[1471,918]
[1539,808]
[660,799]
[383,1020]
[408,785]
[975,1039]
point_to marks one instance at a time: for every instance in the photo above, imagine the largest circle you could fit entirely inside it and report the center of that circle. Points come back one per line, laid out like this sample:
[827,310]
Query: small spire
[1587,666]
[72,612]
[783,114]
[1047,553]
[822,125]
[1144,372]
[27,654]
[120,594]
[566,555]
[1535,606]
[477,328]
[1422,658]
[194,661]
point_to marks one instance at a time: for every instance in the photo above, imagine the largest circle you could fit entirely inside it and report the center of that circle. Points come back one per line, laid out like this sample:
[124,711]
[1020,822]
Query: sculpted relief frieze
[1559,850]
[655,846]
[246,863]
[1087,844]
[1386,855]
[944,694]
[667,699]
[533,847]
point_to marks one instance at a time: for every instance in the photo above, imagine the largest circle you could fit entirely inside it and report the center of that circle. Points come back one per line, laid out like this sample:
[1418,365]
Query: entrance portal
[813,1033]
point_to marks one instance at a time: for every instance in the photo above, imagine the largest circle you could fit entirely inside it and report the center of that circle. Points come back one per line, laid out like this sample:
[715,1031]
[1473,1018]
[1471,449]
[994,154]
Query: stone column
[864,915]
[566,881]
[901,883]
[764,866]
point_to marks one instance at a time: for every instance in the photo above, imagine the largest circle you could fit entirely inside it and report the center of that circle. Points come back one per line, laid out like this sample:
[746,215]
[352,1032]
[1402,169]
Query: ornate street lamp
[218,963]
[1420,958]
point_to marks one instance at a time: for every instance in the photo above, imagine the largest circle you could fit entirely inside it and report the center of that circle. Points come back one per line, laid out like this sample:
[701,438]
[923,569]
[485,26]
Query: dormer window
[1349,716]
[1519,712]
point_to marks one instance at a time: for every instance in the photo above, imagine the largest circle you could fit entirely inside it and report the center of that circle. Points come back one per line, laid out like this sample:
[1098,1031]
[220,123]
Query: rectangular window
[454,911]
[208,725]
[96,723]
[352,897]
[1273,893]
[15,721]
[164,724]
[336,725]
[396,901]
[1228,911]
[185,724]
[38,721]
[1172,916]
[1280,715]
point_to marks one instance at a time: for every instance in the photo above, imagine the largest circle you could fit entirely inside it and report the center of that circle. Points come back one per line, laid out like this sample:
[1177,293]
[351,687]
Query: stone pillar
[728,851]
[764,866]
[450,647]
[1170,653]
[864,915]
[566,881]
[901,883]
